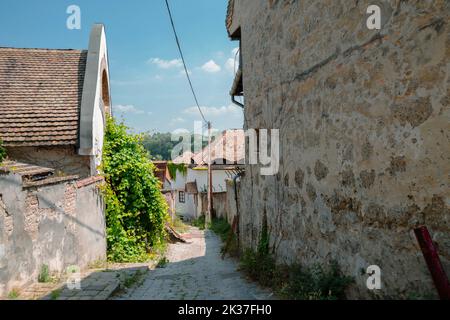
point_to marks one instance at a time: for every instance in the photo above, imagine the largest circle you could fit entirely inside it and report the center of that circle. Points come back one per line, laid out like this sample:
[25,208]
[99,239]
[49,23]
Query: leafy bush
[223,229]
[2,152]
[136,211]
[44,274]
[315,283]
[199,222]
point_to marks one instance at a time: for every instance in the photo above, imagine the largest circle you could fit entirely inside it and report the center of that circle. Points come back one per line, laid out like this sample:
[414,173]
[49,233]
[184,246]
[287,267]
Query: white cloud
[230,65]
[182,73]
[211,67]
[166,64]
[214,111]
[176,121]
[127,109]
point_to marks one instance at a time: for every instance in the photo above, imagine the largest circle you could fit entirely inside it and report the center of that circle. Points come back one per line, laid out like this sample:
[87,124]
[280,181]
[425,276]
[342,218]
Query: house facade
[364,148]
[53,105]
[227,155]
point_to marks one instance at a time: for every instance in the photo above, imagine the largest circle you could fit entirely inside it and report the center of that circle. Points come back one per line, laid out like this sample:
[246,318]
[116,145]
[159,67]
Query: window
[181,197]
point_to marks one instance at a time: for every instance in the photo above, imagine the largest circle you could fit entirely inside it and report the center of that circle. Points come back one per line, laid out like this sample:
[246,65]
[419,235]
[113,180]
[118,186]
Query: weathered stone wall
[219,204]
[232,208]
[57,225]
[364,134]
[63,159]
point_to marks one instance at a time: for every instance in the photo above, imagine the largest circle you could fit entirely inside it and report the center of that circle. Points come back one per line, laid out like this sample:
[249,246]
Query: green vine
[174,168]
[2,152]
[136,211]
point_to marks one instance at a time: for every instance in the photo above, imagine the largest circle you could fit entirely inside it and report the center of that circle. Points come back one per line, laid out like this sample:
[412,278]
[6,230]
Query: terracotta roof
[40,96]
[229,148]
[185,158]
[230,11]
[161,172]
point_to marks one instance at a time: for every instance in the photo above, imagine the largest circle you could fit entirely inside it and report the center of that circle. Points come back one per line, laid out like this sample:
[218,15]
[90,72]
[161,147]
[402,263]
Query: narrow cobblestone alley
[196,271]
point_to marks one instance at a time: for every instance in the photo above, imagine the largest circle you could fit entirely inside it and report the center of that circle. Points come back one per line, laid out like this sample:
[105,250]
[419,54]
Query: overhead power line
[184,62]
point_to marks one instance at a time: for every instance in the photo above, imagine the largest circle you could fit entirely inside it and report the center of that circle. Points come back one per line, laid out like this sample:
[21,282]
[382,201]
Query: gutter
[233,99]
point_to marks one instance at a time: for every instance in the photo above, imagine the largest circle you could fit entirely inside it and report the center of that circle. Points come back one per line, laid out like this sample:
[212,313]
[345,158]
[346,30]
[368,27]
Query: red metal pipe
[431,256]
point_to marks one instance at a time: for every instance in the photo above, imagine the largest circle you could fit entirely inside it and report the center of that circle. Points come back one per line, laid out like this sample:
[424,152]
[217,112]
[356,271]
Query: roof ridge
[43,49]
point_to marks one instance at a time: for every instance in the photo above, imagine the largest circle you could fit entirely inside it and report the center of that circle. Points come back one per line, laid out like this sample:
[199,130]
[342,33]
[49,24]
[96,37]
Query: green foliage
[223,229]
[199,222]
[259,267]
[14,294]
[44,274]
[174,168]
[136,211]
[315,283]
[2,152]
[179,225]
[293,282]
[134,279]
[55,294]
[160,145]
[162,263]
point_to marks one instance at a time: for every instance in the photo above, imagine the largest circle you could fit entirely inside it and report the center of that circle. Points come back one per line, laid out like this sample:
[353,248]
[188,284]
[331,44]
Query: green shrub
[162,263]
[293,282]
[223,229]
[136,211]
[14,294]
[55,294]
[44,274]
[199,222]
[315,283]
[2,152]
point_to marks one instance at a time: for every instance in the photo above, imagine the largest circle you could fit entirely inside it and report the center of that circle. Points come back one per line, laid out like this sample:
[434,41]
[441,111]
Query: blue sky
[148,87]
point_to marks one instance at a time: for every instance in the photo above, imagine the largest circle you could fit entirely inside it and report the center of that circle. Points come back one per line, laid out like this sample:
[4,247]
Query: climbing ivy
[2,152]
[136,211]
[174,168]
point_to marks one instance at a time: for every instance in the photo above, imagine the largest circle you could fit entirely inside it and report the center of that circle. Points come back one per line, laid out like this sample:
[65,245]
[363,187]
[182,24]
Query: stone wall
[232,207]
[220,204]
[364,134]
[56,224]
[61,158]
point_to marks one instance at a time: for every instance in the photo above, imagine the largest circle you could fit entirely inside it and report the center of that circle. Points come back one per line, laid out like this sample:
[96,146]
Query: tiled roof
[40,96]
[185,158]
[229,18]
[161,172]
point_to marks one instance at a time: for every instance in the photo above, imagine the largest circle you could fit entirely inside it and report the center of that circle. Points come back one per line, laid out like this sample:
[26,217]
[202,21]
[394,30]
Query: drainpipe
[434,264]
[233,99]
[237,204]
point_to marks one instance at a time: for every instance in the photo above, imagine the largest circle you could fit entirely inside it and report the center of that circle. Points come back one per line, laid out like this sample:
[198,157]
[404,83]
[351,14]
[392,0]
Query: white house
[227,153]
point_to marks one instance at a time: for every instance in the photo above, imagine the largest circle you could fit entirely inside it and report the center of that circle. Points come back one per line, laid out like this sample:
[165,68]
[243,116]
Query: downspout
[237,205]
[233,99]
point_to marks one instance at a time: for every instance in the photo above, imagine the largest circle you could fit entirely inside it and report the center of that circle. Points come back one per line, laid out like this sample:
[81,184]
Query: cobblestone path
[196,271]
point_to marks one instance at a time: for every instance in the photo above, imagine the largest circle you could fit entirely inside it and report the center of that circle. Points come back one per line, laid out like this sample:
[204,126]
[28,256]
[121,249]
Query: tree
[160,145]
